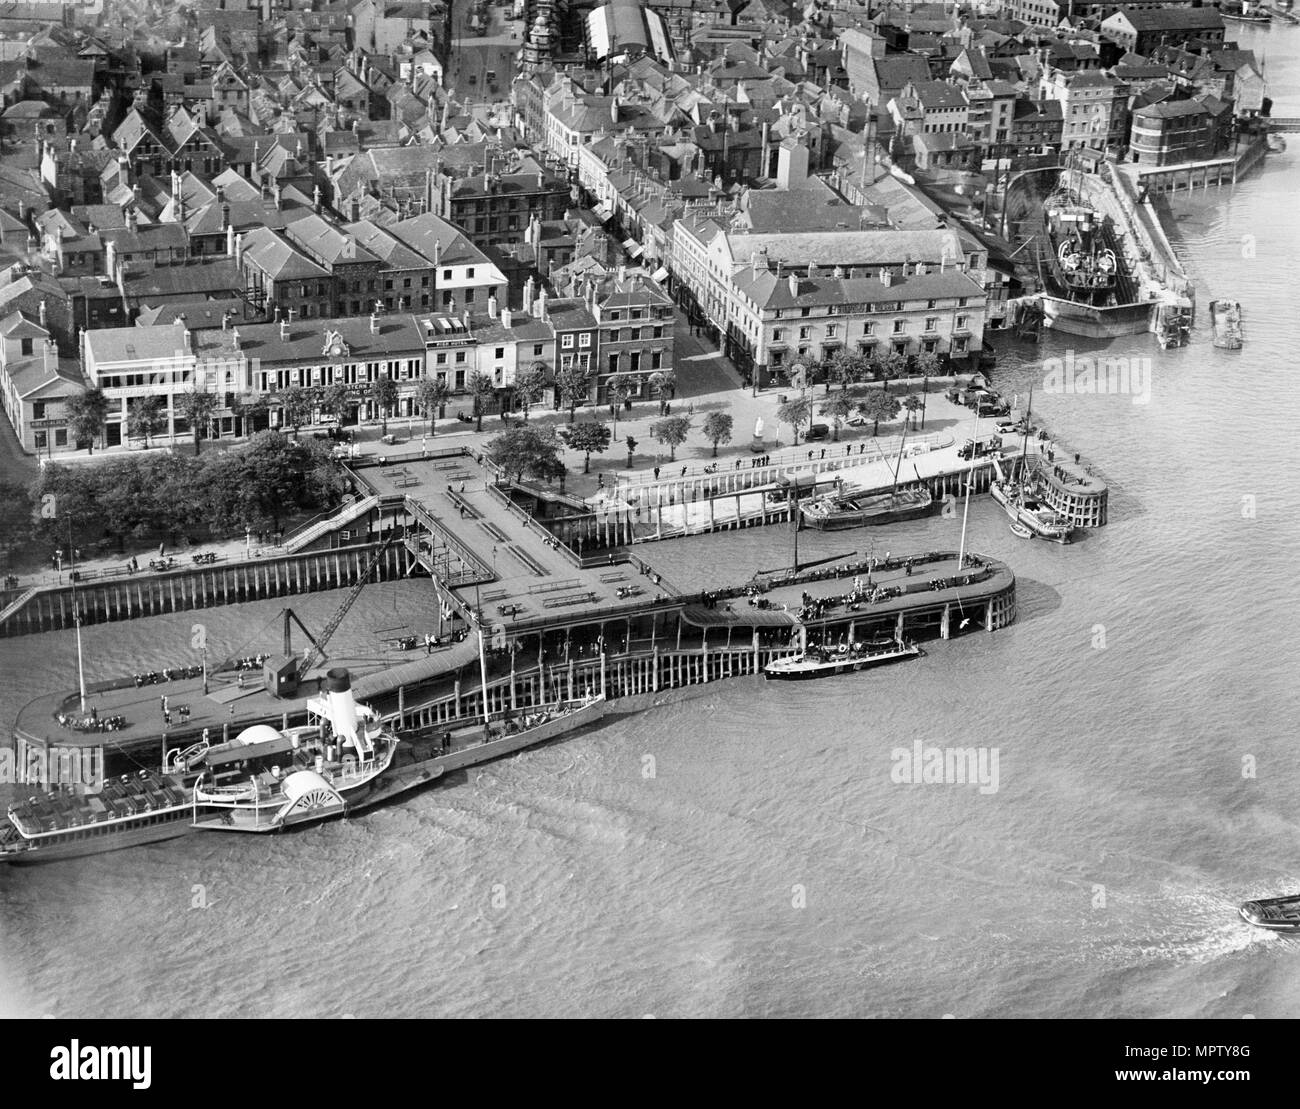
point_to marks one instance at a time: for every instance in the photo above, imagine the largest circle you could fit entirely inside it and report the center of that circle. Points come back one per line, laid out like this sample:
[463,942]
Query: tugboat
[819,662]
[1246,12]
[1276,914]
[266,780]
[1225,318]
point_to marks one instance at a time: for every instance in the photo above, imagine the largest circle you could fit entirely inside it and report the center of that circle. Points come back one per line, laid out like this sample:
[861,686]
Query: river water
[742,849]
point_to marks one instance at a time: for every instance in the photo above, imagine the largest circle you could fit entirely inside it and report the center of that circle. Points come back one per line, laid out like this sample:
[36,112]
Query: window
[38,407]
[961,303]
[388,285]
[613,363]
[584,340]
[778,334]
[930,303]
[446,275]
[805,333]
[962,321]
[440,358]
[805,311]
[615,315]
[899,325]
[27,346]
[460,357]
[566,342]
[469,273]
[869,328]
[659,332]
[832,330]
[931,322]
[537,350]
[500,353]
[634,361]
[637,313]
[656,360]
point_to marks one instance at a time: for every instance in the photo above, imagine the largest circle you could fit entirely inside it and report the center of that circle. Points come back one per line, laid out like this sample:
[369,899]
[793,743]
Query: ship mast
[970,480]
[76,619]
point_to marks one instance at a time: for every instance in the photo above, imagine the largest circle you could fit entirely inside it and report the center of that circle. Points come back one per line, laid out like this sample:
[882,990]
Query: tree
[431,396]
[877,405]
[527,450]
[385,395]
[247,408]
[334,400]
[481,387]
[86,415]
[795,413]
[664,383]
[671,431]
[144,418]
[588,438]
[572,383]
[618,389]
[197,407]
[911,402]
[891,364]
[844,368]
[296,404]
[717,429]
[529,386]
[16,508]
[839,408]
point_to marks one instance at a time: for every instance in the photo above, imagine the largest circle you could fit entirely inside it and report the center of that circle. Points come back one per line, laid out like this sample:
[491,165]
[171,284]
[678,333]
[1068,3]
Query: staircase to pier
[344,516]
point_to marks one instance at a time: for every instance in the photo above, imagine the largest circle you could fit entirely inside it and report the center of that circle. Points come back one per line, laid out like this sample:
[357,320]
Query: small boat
[847,509]
[820,662]
[1021,500]
[265,780]
[1225,319]
[1022,531]
[1246,12]
[1276,914]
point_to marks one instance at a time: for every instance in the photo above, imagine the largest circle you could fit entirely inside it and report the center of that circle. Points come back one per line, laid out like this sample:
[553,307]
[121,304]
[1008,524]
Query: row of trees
[846,368]
[877,405]
[133,497]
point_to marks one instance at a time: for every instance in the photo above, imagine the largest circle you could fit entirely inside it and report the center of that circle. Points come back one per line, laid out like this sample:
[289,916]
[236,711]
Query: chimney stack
[529,290]
[374,323]
[794,284]
[284,331]
[505,318]
[492,306]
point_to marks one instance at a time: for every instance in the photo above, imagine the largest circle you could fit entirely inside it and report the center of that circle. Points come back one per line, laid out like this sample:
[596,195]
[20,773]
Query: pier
[620,647]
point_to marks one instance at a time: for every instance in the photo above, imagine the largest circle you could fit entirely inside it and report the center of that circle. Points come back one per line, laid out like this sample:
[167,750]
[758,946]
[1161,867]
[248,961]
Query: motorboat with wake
[1275,914]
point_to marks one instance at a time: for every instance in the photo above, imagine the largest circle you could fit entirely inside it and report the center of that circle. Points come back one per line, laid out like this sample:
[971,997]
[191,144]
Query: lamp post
[248,541]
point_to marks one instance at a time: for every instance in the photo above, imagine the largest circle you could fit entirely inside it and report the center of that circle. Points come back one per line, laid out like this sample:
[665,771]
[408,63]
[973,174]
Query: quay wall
[154,594]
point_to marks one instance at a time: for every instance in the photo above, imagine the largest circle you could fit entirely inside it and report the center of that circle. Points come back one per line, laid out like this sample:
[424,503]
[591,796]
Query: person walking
[162,549]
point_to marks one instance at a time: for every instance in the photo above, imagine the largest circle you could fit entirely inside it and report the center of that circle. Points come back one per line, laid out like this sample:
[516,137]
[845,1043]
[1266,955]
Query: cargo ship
[1225,319]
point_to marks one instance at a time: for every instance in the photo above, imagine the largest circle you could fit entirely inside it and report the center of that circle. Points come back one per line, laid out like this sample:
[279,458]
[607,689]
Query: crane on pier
[283,675]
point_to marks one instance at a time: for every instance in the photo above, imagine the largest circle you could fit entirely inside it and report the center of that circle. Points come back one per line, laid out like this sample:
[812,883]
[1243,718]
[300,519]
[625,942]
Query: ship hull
[1273,914]
[903,508]
[1093,322]
[805,671]
[178,825]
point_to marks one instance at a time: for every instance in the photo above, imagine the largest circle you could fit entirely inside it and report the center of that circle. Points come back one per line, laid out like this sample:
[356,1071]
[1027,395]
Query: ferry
[847,509]
[1225,318]
[266,780]
[820,662]
[1276,914]
[127,812]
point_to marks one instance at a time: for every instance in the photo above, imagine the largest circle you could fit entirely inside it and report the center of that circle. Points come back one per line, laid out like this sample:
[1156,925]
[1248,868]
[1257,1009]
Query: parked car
[818,431]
